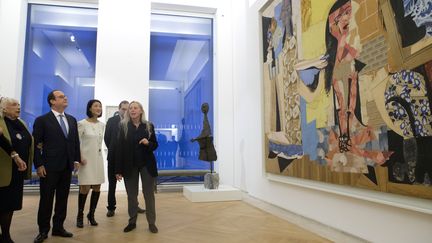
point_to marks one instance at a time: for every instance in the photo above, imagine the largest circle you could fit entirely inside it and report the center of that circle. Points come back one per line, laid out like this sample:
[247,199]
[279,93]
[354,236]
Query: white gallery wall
[122,73]
[12,39]
[122,55]
[375,222]
[122,52]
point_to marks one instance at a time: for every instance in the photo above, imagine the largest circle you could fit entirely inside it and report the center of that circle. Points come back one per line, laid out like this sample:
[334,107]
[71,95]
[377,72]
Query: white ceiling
[185,54]
[84,18]
[189,56]
[68,49]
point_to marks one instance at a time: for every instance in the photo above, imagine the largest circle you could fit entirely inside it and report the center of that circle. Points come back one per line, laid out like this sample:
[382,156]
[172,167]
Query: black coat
[125,150]
[52,149]
[110,137]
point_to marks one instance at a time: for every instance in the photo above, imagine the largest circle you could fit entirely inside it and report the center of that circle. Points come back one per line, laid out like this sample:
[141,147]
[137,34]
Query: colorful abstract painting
[334,110]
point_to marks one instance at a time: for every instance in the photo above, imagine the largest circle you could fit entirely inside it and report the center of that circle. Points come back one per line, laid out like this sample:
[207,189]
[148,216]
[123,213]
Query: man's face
[60,100]
[123,109]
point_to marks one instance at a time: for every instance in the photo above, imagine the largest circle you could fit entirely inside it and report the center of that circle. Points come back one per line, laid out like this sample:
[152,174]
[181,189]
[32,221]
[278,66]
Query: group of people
[167,152]
[60,145]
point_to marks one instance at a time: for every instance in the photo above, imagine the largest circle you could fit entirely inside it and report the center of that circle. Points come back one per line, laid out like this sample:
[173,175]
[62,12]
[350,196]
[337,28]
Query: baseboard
[316,227]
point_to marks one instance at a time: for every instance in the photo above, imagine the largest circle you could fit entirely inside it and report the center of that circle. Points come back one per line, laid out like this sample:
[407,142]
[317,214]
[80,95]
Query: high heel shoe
[93,203]
[91,220]
[81,202]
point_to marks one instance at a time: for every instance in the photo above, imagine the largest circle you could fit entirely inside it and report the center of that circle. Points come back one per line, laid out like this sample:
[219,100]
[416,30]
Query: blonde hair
[4,102]
[124,122]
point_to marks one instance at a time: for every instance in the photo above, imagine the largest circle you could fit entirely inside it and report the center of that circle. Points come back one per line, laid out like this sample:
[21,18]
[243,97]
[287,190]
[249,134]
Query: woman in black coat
[134,157]
[15,143]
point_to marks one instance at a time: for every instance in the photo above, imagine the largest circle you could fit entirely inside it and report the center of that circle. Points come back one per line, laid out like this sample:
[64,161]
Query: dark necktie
[63,125]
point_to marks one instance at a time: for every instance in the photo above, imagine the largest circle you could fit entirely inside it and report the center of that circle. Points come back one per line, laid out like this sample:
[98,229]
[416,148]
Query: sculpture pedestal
[200,194]
[211,181]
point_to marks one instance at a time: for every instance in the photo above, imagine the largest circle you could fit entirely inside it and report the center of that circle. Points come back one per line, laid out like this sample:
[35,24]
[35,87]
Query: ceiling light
[72,38]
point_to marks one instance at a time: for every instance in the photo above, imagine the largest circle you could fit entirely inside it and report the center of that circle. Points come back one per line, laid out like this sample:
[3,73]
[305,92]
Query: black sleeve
[77,143]
[153,143]
[108,132]
[5,145]
[38,132]
[119,151]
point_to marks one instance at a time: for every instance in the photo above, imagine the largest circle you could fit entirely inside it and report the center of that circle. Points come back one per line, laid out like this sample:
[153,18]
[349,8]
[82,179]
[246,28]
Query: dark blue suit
[57,153]
[110,138]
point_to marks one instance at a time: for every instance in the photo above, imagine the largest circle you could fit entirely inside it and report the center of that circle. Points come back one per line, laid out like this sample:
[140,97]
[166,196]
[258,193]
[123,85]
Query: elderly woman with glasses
[16,155]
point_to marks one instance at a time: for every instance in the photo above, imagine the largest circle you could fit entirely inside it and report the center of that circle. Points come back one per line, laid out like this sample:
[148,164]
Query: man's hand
[119,177]
[41,172]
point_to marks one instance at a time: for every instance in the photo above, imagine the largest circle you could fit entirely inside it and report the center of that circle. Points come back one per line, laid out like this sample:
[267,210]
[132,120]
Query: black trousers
[55,183]
[112,184]
[131,181]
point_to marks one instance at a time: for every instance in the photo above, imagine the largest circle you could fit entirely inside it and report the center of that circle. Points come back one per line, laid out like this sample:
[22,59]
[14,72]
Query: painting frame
[402,57]
[110,110]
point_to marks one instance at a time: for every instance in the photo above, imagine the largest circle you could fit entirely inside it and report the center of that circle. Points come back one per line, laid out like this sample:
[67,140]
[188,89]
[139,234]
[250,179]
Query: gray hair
[124,122]
[4,102]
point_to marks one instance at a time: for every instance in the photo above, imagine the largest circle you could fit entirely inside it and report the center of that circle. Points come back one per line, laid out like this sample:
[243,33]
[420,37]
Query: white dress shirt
[57,115]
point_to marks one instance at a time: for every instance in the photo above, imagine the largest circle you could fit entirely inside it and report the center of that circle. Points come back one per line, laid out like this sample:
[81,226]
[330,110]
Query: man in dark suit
[110,138]
[57,151]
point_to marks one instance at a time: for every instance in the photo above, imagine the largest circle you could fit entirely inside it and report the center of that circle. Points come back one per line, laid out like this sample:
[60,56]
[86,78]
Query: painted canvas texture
[333,109]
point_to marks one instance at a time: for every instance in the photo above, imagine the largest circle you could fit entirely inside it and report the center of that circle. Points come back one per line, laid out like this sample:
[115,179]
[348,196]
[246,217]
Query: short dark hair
[122,103]
[89,105]
[51,96]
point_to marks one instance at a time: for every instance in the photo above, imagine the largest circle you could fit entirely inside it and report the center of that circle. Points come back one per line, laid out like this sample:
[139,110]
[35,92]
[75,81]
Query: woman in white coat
[91,172]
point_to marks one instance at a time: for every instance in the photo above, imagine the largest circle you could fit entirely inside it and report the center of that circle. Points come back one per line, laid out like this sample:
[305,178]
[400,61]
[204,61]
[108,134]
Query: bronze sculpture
[205,140]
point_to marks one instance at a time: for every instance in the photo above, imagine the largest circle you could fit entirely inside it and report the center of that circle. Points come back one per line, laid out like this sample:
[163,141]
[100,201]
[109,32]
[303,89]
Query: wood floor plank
[178,220]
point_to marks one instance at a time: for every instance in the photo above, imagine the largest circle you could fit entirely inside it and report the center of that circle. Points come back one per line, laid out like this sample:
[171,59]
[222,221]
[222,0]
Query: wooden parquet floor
[178,220]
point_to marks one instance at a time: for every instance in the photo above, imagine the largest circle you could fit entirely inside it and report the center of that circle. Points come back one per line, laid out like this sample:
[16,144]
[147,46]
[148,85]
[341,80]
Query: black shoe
[81,203]
[40,237]
[62,233]
[91,219]
[140,210]
[79,222]
[129,227]
[153,228]
[110,213]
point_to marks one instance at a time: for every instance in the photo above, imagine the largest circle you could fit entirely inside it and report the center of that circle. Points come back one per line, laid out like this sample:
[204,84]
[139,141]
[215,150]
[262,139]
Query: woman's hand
[83,162]
[119,177]
[144,141]
[22,166]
